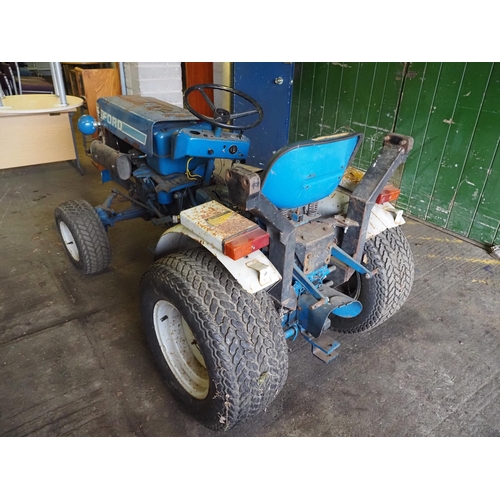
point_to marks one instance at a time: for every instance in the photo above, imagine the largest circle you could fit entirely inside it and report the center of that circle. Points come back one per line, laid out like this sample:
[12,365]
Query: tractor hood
[135,119]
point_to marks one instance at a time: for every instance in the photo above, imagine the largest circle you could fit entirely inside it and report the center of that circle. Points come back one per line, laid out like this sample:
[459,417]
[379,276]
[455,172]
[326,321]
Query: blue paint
[314,314]
[87,125]
[205,144]
[109,217]
[106,176]
[308,171]
[164,198]
[306,283]
[258,79]
[314,307]
[342,256]
[349,310]
[292,332]
[169,136]
[178,151]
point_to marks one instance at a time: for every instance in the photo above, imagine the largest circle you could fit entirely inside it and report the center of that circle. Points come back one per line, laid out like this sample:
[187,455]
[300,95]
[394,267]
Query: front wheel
[83,236]
[220,349]
[389,255]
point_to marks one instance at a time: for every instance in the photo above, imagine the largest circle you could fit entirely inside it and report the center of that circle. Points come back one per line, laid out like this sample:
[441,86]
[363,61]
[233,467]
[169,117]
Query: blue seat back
[308,171]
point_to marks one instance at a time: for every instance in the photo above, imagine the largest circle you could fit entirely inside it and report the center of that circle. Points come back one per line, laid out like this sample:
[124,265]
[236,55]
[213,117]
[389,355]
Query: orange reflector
[246,243]
[390,193]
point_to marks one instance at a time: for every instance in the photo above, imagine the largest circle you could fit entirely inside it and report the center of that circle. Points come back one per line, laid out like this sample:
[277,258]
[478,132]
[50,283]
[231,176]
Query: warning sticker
[220,219]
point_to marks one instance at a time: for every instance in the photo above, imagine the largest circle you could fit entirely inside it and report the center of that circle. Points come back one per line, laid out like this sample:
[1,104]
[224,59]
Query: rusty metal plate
[151,109]
[215,223]
[314,245]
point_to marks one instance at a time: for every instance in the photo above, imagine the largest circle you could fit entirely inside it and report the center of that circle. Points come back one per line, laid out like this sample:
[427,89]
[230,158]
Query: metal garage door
[451,109]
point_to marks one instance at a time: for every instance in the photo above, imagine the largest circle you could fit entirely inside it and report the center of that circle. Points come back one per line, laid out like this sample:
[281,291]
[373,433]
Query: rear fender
[383,217]
[254,272]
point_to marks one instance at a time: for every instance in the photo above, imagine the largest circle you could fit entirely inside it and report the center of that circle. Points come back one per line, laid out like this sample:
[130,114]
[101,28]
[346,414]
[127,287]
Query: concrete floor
[73,360]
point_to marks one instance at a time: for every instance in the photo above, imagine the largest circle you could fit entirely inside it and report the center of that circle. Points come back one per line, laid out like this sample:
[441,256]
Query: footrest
[324,347]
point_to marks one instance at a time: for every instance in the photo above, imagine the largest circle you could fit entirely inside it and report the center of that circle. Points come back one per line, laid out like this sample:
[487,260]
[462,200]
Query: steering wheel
[222,116]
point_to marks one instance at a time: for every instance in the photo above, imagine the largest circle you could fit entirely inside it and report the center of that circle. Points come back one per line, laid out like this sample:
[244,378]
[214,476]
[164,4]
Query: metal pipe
[54,81]
[293,331]
[123,81]
[119,163]
[19,80]
[14,83]
[58,76]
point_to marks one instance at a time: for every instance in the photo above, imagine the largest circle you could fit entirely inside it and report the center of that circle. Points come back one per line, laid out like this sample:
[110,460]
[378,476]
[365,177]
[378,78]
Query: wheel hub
[69,241]
[180,349]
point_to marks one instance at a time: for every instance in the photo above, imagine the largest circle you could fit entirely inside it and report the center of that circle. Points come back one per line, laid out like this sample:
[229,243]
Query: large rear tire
[389,255]
[220,349]
[83,236]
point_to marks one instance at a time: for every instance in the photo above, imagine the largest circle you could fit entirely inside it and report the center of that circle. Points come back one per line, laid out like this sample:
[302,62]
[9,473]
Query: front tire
[389,255]
[220,349]
[83,236]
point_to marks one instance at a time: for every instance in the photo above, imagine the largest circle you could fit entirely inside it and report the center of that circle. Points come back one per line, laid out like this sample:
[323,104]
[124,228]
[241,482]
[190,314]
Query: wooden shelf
[91,84]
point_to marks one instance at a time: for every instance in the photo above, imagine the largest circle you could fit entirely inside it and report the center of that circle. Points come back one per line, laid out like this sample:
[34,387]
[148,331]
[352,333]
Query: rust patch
[353,175]
[215,220]
[154,106]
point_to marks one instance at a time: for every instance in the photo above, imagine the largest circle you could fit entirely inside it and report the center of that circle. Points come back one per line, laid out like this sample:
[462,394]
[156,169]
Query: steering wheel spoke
[221,117]
[243,113]
[207,100]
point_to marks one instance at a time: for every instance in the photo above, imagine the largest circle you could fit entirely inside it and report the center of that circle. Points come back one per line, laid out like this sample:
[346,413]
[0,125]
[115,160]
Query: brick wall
[162,80]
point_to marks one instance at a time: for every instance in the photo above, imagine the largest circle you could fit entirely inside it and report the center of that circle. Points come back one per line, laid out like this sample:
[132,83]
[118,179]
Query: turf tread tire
[389,254]
[404,269]
[239,334]
[89,235]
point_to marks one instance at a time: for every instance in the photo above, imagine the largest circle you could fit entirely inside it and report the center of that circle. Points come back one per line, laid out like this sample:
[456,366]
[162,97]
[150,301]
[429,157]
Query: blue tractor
[305,248]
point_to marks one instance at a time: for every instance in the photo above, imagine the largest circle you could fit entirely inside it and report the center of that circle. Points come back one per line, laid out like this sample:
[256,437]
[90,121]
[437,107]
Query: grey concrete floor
[73,360]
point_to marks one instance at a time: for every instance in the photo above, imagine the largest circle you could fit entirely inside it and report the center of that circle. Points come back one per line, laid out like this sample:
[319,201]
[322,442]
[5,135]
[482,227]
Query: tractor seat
[308,171]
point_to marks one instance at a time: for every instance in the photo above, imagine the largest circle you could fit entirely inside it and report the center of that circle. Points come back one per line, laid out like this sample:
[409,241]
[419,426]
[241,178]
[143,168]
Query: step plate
[324,347]
[326,358]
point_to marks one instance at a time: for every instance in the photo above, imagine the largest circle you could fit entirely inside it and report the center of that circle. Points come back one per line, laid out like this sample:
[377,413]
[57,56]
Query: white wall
[162,80]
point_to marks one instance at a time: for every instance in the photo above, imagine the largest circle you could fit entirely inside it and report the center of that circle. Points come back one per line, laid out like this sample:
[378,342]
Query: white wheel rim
[69,241]
[180,349]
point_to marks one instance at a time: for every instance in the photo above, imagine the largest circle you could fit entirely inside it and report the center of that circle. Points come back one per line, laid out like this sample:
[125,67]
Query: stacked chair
[12,83]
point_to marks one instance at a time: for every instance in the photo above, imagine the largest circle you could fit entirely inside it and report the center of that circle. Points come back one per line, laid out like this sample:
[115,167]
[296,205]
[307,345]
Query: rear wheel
[220,349]
[83,236]
[389,255]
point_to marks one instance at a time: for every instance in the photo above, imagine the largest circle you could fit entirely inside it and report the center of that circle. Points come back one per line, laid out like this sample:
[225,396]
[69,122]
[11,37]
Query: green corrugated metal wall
[452,177]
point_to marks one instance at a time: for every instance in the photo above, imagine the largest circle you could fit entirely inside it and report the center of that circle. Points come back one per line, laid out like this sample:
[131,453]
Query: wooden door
[194,74]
